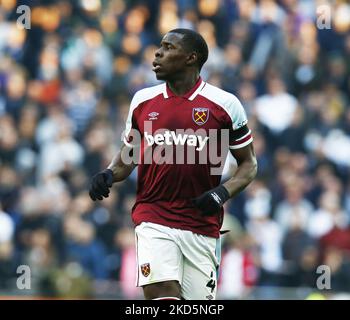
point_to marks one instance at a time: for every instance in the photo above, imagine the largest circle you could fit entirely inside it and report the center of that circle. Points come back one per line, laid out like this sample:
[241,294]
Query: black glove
[210,202]
[100,184]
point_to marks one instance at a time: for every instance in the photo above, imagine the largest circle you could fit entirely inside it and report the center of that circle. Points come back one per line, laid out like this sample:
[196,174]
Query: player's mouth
[156,66]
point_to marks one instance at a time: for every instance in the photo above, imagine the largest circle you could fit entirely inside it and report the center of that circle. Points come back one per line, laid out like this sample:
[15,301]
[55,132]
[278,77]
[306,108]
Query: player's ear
[192,58]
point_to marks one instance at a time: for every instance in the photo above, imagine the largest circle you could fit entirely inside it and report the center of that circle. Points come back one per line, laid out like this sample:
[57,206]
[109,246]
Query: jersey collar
[190,95]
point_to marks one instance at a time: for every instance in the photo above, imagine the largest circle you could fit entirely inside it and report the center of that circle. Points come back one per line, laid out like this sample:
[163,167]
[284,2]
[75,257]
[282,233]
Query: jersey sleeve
[131,128]
[240,134]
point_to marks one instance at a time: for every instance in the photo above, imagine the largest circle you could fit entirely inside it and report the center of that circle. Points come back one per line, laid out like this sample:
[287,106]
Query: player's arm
[241,147]
[212,201]
[246,170]
[118,170]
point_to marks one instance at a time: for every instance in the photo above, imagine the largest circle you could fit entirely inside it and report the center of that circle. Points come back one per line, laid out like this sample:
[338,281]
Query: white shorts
[165,254]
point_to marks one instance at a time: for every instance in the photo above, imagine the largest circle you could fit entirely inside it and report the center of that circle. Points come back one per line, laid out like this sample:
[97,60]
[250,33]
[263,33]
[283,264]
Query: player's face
[170,59]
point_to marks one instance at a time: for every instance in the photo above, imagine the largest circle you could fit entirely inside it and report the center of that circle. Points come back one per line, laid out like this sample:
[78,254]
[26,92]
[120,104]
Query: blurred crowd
[65,89]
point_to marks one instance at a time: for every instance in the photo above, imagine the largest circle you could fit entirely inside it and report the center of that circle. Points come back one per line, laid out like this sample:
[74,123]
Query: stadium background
[65,89]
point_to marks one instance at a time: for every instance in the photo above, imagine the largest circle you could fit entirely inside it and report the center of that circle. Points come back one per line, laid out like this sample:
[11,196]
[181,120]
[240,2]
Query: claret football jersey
[180,139]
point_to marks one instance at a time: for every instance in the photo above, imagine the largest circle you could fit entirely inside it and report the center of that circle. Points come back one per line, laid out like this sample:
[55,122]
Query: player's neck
[181,86]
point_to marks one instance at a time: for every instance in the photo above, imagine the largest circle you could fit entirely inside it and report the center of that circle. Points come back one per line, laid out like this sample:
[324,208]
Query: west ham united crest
[145,269]
[200,115]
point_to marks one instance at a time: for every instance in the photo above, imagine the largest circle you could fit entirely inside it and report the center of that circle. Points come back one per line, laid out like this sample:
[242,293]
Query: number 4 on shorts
[211,283]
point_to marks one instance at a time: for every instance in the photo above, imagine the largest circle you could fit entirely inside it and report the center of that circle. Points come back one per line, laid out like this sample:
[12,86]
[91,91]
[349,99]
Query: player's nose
[158,53]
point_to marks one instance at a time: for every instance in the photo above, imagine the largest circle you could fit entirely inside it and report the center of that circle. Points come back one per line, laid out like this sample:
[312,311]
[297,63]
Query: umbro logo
[153,115]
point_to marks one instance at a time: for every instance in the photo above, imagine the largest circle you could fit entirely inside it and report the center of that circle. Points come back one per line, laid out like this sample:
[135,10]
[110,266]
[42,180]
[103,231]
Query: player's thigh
[159,258]
[201,262]
[169,290]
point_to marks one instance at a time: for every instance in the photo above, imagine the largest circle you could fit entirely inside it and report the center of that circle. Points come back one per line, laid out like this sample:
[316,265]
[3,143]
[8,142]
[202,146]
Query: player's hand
[210,202]
[100,184]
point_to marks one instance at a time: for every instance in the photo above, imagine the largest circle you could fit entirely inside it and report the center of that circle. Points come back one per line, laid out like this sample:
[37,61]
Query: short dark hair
[193,41]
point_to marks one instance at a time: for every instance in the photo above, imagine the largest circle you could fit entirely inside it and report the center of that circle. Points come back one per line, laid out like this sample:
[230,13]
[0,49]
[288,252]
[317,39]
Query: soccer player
[179,206]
